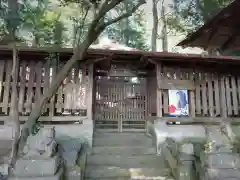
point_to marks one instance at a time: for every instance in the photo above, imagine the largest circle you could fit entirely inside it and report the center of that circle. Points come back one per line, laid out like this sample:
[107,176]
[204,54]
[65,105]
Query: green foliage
[189,15]
[9,19]
[40,21]
[65,22]
[130,31]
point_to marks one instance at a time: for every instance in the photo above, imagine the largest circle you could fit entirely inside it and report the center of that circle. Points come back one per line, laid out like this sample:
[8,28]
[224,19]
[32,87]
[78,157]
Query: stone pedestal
[57,176]
[186,159]
[186,171]
[39,160]
[221,174]
[35,166]
[181,160]
[73,152]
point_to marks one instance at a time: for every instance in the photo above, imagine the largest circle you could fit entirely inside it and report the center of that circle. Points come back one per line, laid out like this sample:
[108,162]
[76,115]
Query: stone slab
[185,157]
[187,149]
[36,167]
[73,173]
[186,172]
[220,161]
[69,150]
[222,174]
[127,139]
[62,131]
[176,132]
[4,169]
[137,161]
[108,172]
[6,132]
[127,150]
[58,176]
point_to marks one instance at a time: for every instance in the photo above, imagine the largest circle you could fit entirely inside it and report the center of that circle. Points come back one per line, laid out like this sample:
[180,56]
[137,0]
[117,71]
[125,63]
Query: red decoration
[171,109]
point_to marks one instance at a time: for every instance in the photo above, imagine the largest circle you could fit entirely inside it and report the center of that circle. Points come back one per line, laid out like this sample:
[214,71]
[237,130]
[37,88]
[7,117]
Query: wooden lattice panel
[34,79]
[120,104]
[211,94]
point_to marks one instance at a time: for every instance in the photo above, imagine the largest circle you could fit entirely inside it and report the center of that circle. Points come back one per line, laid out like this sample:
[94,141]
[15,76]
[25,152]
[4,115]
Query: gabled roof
[122,55]
[222,31]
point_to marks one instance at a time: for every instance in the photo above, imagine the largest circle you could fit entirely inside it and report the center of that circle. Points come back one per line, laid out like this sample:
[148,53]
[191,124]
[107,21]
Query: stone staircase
[122,156]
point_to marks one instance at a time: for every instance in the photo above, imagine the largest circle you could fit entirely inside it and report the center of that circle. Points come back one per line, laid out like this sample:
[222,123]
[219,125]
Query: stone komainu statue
[42,144]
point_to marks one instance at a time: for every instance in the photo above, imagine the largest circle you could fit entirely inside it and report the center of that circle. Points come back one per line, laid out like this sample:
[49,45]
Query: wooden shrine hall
[121,90]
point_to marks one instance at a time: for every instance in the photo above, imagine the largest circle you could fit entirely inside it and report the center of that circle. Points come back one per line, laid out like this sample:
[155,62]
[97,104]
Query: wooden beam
[213,32]
[92,61]
[176,84]
[47,118]
[227,43]
[159,91]
[152,61]
[90,92]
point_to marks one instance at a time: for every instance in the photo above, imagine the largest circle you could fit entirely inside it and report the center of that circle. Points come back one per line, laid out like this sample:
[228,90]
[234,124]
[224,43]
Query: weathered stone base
[4,169]
[160,132]
[74,173]
[58,176]
[36,166]
[186,172]
[220,160]
[222,174]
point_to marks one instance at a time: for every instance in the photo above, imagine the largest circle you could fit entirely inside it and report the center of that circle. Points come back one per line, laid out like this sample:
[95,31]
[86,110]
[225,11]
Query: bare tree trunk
[14,109]
[37,111]
[12,27]
[96,27]
[155,25]
[164,29]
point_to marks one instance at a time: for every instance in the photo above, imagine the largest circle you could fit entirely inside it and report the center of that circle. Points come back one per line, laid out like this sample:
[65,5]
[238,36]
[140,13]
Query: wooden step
[117,172]
[125,150]
[126,161]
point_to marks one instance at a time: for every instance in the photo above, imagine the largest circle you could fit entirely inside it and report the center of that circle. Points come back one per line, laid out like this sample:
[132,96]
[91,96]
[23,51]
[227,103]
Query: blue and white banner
[178,103]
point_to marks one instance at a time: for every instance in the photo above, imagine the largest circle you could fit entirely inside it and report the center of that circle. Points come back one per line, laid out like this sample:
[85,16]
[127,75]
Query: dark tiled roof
[222,31]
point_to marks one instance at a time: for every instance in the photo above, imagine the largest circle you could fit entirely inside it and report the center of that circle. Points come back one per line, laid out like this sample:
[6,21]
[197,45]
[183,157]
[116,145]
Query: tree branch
[78,55]
[106,6]
[82,26]
[125,15]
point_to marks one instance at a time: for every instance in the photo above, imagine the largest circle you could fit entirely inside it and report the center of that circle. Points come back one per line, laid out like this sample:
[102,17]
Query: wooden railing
[34,79]
[210,93]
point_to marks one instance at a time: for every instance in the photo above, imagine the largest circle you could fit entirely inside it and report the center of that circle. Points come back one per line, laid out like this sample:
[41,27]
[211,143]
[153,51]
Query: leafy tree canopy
[189,15]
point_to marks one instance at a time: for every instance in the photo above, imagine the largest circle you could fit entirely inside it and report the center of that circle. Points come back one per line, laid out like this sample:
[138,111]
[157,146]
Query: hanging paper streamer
[178,103]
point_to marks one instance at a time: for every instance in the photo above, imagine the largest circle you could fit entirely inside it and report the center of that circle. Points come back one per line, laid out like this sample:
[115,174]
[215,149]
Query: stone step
[57,176]
[116,134]
[125,139]
[126,161]
[116,172]
[105,178]
[126,150]
[127,178]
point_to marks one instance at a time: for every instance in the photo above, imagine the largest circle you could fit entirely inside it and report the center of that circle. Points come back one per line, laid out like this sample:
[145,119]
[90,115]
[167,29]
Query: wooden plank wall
[210,94]
[34,80]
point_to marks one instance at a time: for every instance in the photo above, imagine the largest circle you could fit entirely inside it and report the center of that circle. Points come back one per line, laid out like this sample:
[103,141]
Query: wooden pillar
[90,92]
[159,91]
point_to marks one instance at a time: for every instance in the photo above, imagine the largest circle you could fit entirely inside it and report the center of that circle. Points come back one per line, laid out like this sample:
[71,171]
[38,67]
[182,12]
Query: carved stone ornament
[42,144]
